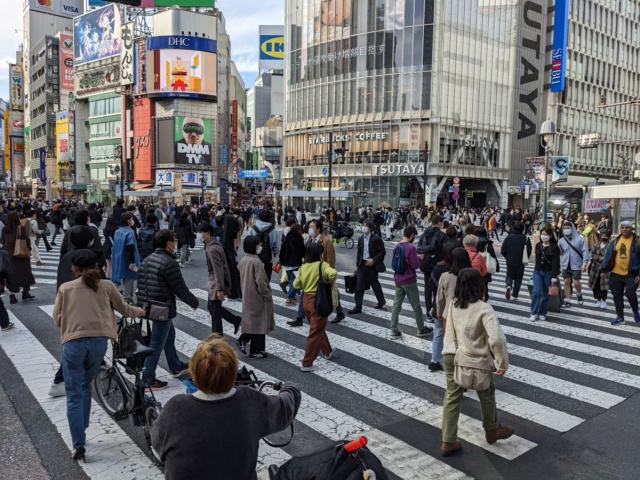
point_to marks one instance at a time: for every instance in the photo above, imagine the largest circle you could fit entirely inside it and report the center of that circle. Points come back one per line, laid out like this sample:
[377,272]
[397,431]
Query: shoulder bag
[154,310]
[323,303]
[492,263]
[20,249]
[472,373]
[525,257]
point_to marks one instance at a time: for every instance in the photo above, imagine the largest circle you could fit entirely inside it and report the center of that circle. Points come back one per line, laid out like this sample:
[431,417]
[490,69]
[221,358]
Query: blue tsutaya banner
[184,42]
[559,52]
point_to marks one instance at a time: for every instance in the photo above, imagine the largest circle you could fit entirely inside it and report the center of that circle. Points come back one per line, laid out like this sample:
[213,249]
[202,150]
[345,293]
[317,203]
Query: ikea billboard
[271,47]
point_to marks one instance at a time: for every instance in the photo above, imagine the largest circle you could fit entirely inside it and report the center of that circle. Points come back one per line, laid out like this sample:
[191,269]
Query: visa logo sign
[271,47]
[70,9]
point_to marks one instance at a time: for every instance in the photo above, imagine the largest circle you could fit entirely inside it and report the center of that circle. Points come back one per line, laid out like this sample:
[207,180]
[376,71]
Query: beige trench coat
[257,300]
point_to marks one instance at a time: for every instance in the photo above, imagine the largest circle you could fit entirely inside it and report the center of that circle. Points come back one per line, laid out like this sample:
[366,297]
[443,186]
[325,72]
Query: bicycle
[122,400]
[342,234]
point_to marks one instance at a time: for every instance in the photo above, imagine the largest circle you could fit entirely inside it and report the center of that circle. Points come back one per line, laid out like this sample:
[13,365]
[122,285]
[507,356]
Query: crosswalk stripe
[396,456]
[114,454]
[508,402]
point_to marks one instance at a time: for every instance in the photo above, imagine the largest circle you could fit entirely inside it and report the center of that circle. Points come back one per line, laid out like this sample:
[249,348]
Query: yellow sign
[62,144]
[272,48]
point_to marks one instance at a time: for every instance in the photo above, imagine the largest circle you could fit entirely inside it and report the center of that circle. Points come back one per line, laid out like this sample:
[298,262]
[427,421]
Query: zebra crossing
[563,372]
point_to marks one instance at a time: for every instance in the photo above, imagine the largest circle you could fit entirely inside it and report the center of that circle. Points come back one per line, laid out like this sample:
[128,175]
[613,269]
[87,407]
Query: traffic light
[340,151]
[308,186]
[603,100]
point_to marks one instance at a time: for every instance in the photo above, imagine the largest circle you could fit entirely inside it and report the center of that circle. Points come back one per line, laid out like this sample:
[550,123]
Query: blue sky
[242,19]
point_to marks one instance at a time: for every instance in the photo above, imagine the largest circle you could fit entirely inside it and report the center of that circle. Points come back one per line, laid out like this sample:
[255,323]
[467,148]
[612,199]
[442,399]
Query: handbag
[154,310]
[129,332]
[20,249]
[350,282]
[335,295]
[525,257]
[276,267]
[322,303]
[490,262]
[470,372]
[47,232]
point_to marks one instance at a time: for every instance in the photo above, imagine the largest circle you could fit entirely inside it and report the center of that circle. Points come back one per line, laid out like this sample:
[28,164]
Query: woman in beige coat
[257,301]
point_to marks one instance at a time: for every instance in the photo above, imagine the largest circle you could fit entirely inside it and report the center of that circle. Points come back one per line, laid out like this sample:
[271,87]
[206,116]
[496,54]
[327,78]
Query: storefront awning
[79,186]
[318,193]
[142,192]
[143,185]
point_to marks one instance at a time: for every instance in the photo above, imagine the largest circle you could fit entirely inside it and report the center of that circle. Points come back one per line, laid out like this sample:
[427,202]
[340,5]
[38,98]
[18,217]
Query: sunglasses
[193,128]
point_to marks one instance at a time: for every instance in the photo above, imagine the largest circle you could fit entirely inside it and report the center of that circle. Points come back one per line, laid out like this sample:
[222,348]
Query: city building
[414,94]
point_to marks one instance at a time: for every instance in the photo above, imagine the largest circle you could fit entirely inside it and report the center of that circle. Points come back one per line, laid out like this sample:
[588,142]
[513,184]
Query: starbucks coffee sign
[399,169]
[346,137]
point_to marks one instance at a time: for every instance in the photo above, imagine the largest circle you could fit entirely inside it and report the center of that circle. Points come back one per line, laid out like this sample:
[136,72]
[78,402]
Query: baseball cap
[626,223]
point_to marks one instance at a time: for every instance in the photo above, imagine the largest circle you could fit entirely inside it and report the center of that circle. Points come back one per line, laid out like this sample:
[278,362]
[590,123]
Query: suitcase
[350,283]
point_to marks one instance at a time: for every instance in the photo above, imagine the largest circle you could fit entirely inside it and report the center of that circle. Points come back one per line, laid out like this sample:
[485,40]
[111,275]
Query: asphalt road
[571,392]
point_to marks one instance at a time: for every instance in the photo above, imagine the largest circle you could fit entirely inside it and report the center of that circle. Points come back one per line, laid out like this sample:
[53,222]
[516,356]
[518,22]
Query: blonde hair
[214,365]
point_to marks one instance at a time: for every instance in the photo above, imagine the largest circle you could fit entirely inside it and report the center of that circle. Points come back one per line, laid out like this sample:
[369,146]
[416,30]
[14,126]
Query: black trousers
[623,286]
[430,291]
[514,278]
[268,270]
[598,292]
[218,312]
[257,343]
[367,277]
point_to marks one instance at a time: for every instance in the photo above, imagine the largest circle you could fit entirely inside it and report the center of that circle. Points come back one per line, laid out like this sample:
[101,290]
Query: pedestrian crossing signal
[309,187]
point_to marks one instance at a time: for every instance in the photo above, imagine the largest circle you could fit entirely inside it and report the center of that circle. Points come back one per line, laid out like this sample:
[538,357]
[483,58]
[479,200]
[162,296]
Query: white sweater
[478,332]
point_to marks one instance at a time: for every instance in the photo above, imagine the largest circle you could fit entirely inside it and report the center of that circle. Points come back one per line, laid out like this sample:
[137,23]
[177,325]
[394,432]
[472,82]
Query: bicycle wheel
[151,412]
[111,393]
[349,243]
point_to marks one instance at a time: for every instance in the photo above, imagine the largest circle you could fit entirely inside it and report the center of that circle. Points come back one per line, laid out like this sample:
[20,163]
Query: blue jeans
[163,337]
[81,360]
[540,295]
[291,277]
[438,341]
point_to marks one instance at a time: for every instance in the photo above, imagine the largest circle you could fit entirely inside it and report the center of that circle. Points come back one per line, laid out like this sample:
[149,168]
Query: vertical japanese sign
[7,155]
[62,133]
[66,62]
[559,51]
[126,55]
[43,165]
[234,127]
[16,87]
[141,67]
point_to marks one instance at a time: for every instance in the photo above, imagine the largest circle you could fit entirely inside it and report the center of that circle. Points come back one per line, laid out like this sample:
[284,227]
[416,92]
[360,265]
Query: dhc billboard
[559,51]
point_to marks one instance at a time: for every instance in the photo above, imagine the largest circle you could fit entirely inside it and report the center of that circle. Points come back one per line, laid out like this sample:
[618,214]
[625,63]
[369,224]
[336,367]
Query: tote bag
[323,302]
[20,249]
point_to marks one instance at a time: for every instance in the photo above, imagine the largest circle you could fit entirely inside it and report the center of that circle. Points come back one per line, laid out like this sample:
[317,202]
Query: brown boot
[450,448]
[501,433]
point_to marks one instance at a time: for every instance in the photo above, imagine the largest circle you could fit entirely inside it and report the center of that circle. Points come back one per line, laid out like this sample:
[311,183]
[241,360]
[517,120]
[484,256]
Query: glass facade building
[417,92]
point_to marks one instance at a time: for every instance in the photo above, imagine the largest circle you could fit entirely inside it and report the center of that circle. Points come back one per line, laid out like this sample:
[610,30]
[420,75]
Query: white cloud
[242,21]
[10,40]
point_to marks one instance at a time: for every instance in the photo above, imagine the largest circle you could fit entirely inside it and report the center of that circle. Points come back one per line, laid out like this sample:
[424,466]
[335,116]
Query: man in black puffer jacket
[512,250]
[160,280]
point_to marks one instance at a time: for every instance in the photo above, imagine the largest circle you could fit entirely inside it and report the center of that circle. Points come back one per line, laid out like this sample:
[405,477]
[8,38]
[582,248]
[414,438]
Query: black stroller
[342,233]
[344,461]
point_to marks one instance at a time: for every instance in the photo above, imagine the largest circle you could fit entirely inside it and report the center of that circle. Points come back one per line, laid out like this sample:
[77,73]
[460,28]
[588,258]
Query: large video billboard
[192,137]
[182,66]
[98,34]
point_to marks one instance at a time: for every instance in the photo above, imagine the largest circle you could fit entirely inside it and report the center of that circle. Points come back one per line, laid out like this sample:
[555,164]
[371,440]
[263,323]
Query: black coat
[293,250]
[160,279]
[117,213]
[512,248]
[376,252]
[96,247]
[184,232]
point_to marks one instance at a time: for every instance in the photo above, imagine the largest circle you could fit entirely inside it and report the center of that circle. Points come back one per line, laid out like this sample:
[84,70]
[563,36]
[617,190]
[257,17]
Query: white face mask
[544,238]
[258,249]
[567,231]
[365,230]
[312,232]
[199,237]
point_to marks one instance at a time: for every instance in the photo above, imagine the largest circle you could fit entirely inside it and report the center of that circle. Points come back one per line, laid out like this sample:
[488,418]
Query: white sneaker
[603,304]
[57,390]
[533,318]
[308,369]
[542,318]
[598,304]
[330,356]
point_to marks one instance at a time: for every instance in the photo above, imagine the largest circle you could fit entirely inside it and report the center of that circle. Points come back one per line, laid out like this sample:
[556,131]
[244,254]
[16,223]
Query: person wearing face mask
[369,262]
[598,283]
[513,250]
[547,267]
[406,282]
[219,277]
[575,258]
[125,259]
[161,281]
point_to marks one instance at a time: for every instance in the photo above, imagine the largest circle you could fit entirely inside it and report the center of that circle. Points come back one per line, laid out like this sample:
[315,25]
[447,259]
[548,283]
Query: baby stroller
[342,233]
[344,461]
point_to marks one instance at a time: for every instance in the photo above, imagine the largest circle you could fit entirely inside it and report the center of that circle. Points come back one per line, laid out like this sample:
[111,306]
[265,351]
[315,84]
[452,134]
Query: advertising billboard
[126,55]
[61,8]
[271,47]
[192,137]
[183,66]
[97,34]
[142,141]
[16,87]
[185,3]
[62,137]
[559,50]
[66,62]
[140,67]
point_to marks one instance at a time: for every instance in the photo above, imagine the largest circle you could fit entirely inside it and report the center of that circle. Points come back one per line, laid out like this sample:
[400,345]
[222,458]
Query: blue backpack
[399,261]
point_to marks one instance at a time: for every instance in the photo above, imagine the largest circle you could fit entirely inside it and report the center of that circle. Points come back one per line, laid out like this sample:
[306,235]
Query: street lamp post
[203,184]
[547,135]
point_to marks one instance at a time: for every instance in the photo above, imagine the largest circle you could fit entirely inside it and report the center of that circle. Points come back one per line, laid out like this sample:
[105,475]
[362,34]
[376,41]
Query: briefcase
[350,283]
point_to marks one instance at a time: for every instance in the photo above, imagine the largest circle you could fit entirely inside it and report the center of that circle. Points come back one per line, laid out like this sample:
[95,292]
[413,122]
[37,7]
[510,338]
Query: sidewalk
[19,459]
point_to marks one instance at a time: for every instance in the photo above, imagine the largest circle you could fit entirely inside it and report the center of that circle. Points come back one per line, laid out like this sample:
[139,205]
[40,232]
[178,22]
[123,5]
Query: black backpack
[378,219]
[303,217]
[265,254]
[432,253]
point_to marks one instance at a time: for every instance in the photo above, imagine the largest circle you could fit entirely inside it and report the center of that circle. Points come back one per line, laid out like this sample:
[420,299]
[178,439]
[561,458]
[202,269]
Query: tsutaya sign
[345,137]
[471,141]
[399,169]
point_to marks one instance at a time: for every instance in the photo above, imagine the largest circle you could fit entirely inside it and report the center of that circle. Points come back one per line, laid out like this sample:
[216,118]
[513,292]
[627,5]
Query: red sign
[142,140]
[455,196]
[456,180]
[66,62]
